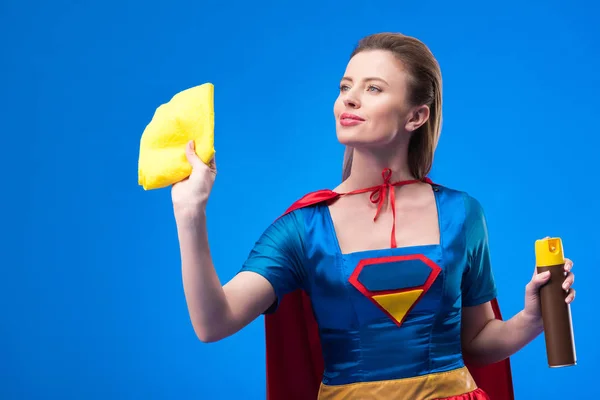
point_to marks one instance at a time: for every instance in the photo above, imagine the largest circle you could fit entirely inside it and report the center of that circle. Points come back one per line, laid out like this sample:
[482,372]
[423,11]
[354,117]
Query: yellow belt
[431,386]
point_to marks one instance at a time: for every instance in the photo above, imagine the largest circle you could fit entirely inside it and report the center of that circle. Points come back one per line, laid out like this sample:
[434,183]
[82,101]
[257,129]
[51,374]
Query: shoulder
[303,210]
[310,200]
[471,205]
[473,208]
[474,225]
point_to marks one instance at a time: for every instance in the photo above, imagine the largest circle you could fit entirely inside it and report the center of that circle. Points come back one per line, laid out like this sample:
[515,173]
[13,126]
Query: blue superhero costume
[375,324]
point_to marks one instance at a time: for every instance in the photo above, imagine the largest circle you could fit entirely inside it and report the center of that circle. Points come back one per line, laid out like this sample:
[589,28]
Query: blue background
[91,291]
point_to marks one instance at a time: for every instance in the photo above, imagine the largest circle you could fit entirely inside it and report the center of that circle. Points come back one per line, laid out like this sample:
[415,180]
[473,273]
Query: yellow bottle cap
[549,252]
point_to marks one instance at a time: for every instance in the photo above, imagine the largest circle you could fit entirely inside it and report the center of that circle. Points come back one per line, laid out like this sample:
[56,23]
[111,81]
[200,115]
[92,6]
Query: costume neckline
[378,194]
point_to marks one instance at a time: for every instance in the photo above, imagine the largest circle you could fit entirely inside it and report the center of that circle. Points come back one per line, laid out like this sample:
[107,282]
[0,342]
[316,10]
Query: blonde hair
[425,86]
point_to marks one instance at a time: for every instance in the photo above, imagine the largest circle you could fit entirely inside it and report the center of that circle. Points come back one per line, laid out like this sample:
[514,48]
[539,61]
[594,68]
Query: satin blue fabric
[360,342]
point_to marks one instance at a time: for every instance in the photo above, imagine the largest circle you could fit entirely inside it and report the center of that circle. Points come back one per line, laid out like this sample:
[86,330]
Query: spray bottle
[556,313]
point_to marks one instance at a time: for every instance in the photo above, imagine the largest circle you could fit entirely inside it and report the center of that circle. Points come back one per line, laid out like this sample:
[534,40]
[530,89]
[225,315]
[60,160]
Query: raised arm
[218,311]
[215,311]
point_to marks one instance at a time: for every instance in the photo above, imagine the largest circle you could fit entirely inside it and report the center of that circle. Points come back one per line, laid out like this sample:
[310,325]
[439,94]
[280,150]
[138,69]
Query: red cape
[294,359]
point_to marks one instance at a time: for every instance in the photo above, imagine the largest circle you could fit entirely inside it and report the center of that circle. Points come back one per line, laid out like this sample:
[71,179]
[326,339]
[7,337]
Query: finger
[568,281]
[568,265]
[570,297]
[190,153]
[539,280]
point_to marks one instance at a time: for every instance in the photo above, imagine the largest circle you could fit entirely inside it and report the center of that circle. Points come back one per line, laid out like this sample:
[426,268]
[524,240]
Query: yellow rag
[189,115]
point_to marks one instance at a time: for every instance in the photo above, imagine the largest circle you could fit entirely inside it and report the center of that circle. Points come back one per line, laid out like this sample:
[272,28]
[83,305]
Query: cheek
[337,106]
[386,117]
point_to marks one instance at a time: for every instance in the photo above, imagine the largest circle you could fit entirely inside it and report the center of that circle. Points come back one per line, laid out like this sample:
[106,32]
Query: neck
[367,167]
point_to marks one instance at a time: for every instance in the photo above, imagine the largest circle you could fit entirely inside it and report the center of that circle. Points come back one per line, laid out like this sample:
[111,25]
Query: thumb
[190,154]
[539,280]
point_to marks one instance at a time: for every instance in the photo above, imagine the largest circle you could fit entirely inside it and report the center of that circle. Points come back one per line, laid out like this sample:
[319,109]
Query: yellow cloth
[189,115]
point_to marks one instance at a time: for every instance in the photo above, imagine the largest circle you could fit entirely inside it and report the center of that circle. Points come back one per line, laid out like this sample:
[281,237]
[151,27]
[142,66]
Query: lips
[347,119]
[347,116]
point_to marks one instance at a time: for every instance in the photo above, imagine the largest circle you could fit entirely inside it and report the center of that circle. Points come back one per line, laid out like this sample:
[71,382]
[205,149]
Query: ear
[417,118]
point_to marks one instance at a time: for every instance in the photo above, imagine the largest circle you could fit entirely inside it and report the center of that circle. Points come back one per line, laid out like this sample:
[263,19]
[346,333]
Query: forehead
[377,64]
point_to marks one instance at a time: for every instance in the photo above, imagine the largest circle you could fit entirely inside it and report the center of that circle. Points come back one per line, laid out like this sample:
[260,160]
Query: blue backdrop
[91,291]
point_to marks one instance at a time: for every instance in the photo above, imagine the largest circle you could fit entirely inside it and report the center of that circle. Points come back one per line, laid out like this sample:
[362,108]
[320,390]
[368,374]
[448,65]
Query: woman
[397,268]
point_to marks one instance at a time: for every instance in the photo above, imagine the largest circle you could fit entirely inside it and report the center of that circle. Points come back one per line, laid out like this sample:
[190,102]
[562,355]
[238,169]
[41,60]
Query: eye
[372,88]
[343,88]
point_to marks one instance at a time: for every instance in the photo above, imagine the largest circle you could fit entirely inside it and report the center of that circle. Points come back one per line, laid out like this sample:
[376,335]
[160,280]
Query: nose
[351,101]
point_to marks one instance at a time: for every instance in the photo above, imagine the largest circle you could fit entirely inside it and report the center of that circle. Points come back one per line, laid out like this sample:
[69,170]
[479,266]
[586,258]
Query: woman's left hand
[532,290]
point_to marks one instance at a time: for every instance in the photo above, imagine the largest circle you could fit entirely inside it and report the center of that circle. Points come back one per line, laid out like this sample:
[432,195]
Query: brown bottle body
[556,314]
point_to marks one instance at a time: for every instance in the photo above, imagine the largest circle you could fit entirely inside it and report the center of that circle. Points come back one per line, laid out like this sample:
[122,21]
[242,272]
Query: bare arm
[486,340]
[216,311]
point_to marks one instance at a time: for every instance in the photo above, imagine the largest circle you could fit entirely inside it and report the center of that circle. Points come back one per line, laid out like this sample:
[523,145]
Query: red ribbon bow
[379,192]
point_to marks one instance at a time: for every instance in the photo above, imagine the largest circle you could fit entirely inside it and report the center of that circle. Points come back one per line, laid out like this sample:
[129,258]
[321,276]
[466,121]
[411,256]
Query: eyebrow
[372,78]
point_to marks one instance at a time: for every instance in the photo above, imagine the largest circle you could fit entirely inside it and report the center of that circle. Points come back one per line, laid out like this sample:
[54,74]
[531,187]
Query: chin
[358,138]
[349,141]
[350,136]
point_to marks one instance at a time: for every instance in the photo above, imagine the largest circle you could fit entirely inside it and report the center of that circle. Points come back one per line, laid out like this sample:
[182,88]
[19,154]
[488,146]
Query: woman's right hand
[191,194]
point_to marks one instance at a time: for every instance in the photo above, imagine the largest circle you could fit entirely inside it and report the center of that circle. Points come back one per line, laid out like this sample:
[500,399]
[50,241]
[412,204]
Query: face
[372,108]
